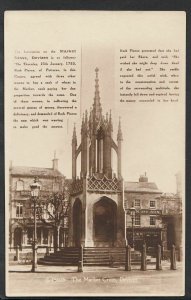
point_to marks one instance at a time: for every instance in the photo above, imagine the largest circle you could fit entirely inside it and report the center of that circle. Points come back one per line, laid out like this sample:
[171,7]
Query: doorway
[17,237]
[77,223]
[105,221]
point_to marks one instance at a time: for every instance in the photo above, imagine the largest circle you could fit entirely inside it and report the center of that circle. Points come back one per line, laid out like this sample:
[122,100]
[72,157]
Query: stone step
[55,263]
[91,256]
[98,259]
[64,255]
[60,258]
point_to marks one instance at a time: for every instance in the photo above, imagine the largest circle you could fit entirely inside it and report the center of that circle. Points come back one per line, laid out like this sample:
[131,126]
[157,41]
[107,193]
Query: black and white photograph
[95,153]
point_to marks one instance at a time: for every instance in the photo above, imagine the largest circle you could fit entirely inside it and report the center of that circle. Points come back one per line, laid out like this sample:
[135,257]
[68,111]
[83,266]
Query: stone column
[24,237]
[70,221]
[158,258]
[144,258]
[128,258]
[107,156]
[121,222]
[173,258]
[93,154]
[11,239]
[88,234]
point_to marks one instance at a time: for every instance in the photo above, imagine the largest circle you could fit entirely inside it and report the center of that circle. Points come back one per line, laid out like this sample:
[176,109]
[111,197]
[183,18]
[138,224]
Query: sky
[153,135]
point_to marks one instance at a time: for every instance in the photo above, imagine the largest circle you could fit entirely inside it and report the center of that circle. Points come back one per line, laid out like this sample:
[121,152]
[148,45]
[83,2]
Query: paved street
[63,281]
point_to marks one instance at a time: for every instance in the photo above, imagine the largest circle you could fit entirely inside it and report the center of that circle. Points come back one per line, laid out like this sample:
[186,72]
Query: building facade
[20,206]
[146,222]
[157,217]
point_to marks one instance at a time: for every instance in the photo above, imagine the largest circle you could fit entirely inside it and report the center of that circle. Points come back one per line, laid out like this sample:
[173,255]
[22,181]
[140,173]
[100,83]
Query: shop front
[151,236]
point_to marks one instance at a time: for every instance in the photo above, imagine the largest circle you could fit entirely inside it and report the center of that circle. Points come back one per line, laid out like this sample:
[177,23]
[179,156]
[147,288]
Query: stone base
[88,243]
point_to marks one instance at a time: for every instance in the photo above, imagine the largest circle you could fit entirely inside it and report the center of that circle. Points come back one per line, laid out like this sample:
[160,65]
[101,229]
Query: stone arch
[18,236]
[104,222]
[77,222]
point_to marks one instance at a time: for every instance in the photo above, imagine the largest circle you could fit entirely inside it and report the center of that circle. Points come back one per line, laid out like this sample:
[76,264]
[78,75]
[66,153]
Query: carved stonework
[103,185]
[77,186]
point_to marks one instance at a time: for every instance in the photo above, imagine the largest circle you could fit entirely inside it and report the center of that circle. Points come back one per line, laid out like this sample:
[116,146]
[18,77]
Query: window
[152,204]
[19,210]
[137,220]
[19,185]
[39,230]
[137,203]
[29,235]
[152,220]
[45,236]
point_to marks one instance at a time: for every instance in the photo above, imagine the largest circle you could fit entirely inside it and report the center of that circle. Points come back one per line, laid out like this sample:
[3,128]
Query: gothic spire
[97,105]
[119,134]
[74,137]
[110,121]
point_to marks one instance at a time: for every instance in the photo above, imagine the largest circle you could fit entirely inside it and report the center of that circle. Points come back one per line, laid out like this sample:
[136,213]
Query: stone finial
[74,136]
[119,134]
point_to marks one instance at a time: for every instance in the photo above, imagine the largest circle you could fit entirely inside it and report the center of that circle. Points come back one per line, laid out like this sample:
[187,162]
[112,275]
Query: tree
[52,212]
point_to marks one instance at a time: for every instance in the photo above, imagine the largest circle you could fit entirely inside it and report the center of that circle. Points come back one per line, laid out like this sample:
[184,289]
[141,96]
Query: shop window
[29,235]
[39,236]
[19,185]
[137,202]
[137,220]
[152,220]
[45,236]
[152,204]
[19,210]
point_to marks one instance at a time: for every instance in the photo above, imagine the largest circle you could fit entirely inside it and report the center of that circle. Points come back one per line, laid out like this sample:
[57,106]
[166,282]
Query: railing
[23,255]
[27,193]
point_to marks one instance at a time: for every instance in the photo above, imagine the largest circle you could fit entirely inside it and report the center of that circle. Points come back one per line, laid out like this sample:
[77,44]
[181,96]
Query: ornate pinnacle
[86,116]
[96,70]
[119,134]
[97,105]
[110,121]
[82,122]
[74,137]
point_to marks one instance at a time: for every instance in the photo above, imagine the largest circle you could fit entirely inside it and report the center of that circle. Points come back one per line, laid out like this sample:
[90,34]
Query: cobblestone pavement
[65,281]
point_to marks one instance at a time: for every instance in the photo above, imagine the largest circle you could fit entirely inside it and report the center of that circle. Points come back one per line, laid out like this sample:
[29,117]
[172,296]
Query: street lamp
[132,214]
[35,189]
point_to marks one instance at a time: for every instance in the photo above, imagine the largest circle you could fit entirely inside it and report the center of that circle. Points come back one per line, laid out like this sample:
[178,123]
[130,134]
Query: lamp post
[132,214]
[35,189]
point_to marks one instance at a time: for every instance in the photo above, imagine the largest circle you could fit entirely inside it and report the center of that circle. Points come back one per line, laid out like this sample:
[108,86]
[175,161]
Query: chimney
[143,178]
[55,162]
